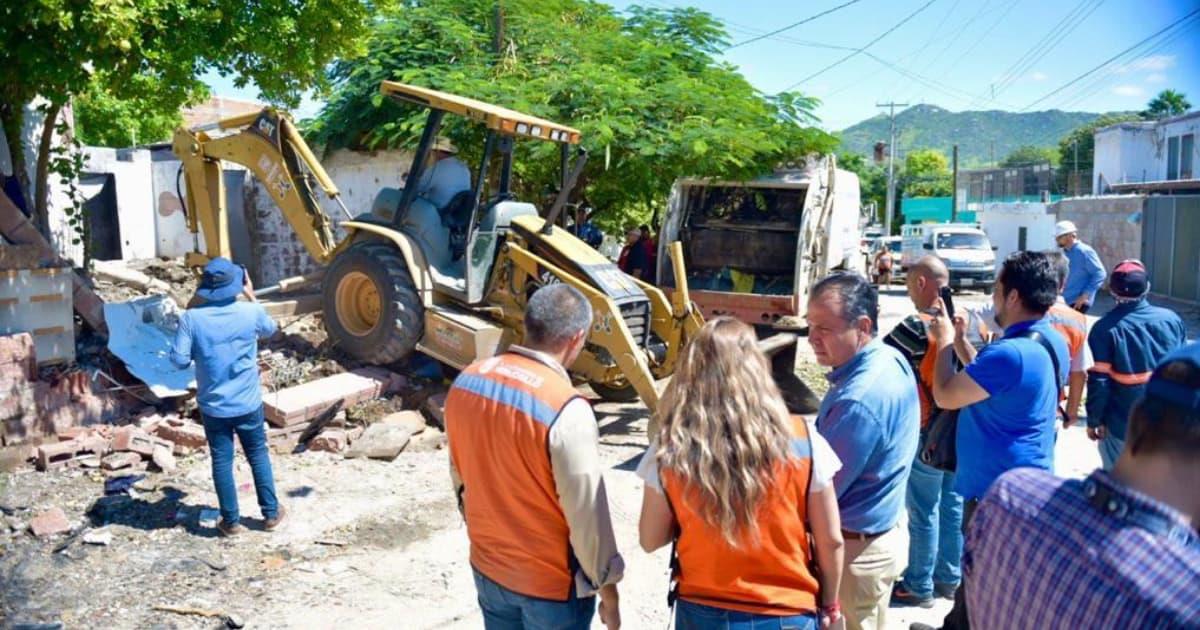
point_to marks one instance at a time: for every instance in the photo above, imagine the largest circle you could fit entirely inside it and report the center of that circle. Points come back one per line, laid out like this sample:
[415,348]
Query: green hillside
[977,133]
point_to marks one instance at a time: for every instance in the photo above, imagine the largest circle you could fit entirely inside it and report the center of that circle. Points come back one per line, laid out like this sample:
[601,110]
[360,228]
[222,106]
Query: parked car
[965,249]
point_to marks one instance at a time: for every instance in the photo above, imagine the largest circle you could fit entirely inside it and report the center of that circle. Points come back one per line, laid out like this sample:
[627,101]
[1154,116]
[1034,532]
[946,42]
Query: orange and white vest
[498,417]
[771,577]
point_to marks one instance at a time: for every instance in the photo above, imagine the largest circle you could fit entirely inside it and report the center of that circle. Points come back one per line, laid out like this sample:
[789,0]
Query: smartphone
[944,292]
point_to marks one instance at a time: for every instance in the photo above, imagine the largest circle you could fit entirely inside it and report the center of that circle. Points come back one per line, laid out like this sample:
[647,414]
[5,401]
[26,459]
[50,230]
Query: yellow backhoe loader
[450,281]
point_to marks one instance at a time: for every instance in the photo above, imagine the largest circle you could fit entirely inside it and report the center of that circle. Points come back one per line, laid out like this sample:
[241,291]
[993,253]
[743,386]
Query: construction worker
[445,175]
[524,459]
[1087,272]
[1073,326]
[742,513]
[220,334]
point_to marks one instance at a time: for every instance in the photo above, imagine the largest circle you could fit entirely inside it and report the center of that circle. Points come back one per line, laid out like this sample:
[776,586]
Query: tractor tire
[371,306]
[619,393]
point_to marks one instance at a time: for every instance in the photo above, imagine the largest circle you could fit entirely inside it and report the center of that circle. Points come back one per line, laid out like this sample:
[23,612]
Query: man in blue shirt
[220,334]
[1009,393]
[871,417]
[1087,272]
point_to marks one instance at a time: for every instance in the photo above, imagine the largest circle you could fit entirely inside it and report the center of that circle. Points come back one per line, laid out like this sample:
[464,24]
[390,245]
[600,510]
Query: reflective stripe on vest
[771,577]
[498,418]
[1071,324]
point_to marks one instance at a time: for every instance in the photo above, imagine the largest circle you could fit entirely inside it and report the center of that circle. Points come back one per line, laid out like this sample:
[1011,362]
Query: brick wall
[1112,225]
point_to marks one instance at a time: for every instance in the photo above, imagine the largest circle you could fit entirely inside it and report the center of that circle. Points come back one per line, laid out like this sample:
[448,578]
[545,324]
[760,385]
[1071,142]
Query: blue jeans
[691,616]
[934,530]
[252,433]
[506,610]
[1110,450]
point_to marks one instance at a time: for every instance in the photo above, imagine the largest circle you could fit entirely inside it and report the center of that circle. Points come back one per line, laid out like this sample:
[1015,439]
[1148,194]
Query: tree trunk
[12,117]
[41,206]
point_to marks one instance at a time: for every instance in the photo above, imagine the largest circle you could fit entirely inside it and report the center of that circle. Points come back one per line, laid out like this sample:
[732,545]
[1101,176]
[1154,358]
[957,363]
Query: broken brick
[189,434]
[117,461]
[50,522]
[296,404]
[18,359]
[131,438]
[50,456]
[329,441]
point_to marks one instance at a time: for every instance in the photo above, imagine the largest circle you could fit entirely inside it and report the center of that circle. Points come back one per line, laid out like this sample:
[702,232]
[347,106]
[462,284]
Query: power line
[1111,59]
[858,51]
[1053,40]
[794,24]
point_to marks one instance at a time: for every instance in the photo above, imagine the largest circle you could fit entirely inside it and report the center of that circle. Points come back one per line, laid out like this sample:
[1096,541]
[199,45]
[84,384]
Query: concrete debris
[50,456]
[164,459]
[119,461]
[50,522]
[428,441]
[117,271]
[131,438]
[102,537]
[326,395]
[411,420]
[380,441]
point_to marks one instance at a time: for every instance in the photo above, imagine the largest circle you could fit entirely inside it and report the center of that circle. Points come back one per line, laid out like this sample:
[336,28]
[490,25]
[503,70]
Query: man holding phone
[934,508]
[220,334]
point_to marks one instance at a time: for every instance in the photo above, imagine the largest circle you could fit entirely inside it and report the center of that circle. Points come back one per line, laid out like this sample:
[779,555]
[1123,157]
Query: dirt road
[369,544]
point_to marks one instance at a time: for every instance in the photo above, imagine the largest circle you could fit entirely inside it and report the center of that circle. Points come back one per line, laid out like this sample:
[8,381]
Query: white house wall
[1002,222]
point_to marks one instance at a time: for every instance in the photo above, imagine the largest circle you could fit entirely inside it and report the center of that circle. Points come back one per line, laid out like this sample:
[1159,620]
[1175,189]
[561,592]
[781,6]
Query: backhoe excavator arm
[270,146]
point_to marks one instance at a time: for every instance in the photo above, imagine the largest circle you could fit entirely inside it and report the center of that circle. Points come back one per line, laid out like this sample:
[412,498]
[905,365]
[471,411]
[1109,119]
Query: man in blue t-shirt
[1009,393]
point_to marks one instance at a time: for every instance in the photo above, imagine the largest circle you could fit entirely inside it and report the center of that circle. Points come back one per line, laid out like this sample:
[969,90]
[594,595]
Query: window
[1187,150]
[1022,235]
[961,240]
[1173,158]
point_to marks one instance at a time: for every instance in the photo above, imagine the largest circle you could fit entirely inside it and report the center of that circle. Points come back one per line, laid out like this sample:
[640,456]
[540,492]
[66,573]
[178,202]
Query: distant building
[1148,156]
[1034,183]
[932,210]
[217,108]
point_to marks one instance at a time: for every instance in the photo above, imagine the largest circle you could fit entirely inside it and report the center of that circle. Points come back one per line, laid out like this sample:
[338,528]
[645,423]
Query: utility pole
[891,185]
[954,189]
[1075,145]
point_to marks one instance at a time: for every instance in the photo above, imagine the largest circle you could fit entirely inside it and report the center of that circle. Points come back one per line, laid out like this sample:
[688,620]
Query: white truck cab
[965,249]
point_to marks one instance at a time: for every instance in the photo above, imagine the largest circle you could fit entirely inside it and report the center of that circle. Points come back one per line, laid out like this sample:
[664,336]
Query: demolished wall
[277,252]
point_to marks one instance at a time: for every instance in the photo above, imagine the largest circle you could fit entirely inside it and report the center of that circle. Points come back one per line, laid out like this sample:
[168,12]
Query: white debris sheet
[140,333]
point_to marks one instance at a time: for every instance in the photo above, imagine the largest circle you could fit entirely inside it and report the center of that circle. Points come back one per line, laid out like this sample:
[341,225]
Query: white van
[964,248]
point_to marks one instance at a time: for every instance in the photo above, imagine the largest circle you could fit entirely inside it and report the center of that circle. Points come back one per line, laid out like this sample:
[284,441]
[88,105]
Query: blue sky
[951,53]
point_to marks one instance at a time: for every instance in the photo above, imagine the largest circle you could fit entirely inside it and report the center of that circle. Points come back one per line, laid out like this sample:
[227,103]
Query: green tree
[650,100]
[143,58]
[1030,155]
[1168,103]
[926,174]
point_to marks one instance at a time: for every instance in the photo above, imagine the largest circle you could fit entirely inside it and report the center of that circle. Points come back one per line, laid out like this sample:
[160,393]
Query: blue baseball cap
[222,280]
[1164,391]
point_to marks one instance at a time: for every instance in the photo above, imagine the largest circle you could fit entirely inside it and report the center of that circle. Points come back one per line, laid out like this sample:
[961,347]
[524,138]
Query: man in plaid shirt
[1114,550]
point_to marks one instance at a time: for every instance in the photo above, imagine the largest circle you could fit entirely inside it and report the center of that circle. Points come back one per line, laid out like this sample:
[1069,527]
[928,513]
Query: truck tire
[371,306]
[621,392]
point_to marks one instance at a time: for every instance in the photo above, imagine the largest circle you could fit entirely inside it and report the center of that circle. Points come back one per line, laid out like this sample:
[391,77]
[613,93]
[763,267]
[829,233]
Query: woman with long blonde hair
[744,490]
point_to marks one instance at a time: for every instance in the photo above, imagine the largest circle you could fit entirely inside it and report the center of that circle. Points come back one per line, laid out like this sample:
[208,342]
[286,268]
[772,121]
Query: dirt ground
[367,543]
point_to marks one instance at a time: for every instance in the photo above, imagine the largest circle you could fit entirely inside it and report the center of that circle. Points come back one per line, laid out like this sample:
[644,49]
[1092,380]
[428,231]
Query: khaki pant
[871,568]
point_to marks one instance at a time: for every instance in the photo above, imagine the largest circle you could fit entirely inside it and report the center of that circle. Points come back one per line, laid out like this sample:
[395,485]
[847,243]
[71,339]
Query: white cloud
[1038,76]
[1156,77]
[1152,63]
[1128,90]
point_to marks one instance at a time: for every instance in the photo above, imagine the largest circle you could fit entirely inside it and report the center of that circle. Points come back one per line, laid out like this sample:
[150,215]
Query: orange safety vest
[1071,324]
[925,375]
[498,417]
[772,578]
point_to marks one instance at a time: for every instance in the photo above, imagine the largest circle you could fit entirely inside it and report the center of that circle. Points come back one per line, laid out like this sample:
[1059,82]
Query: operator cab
[460,238]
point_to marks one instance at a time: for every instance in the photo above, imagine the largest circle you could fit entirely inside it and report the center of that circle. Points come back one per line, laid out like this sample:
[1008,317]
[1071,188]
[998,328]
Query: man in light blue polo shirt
[1087,272]
[221,335]
[871,417]
[1009,393]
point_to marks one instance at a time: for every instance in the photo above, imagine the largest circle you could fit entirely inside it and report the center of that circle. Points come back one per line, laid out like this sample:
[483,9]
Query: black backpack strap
[1045,343]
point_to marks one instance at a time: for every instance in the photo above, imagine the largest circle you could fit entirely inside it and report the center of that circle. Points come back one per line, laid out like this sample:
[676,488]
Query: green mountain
[980,135]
